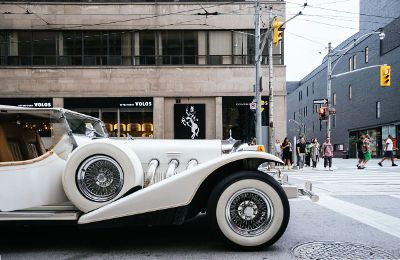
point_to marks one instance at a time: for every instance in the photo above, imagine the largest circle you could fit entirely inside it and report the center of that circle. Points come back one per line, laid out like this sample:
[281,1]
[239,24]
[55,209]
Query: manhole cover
[338,250]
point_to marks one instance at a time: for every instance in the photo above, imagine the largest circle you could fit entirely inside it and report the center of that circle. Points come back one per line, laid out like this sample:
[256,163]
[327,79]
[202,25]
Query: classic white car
[59,165]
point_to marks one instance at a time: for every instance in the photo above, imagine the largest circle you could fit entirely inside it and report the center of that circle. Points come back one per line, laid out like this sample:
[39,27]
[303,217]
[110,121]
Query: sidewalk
[339,164]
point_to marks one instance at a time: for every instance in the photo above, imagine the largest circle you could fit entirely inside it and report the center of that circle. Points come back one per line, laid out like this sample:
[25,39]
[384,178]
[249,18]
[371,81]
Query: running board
[39,215]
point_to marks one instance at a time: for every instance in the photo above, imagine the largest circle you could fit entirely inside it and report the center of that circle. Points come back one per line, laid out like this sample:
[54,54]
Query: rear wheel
[249,210]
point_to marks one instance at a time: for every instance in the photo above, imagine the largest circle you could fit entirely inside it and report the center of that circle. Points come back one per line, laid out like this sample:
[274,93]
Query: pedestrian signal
[323,113]
[385,75]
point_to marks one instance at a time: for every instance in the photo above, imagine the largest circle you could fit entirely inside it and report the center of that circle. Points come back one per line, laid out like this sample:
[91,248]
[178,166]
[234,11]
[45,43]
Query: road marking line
[375,219]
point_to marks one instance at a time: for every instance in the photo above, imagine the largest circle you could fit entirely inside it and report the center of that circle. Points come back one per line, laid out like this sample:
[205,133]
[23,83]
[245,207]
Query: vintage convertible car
[59,165]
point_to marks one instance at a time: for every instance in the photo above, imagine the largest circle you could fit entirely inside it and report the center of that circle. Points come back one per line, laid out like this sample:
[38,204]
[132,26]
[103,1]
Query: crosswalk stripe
[378,220]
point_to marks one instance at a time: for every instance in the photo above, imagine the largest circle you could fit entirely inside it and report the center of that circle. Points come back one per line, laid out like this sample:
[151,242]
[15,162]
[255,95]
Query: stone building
[143,67]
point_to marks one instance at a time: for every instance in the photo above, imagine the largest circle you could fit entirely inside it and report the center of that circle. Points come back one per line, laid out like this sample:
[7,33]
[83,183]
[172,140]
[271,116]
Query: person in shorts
[367,150]
[388,151]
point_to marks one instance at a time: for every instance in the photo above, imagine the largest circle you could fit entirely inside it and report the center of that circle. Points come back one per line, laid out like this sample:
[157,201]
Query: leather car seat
[5,152]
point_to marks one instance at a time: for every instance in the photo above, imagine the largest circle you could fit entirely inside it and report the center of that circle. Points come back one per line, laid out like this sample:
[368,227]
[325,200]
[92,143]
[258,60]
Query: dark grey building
[362,105]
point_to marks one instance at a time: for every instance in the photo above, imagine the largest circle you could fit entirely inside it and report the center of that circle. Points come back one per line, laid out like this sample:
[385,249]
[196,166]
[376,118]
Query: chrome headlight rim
[101,186]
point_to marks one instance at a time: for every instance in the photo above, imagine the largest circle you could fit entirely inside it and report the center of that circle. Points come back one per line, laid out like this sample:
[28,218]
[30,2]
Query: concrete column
[158,117]
[218,118]
[58,102]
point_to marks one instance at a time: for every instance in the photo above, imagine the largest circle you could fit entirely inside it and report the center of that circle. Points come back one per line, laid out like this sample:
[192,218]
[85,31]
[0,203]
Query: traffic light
[277,31]
[385,75]
[323,113]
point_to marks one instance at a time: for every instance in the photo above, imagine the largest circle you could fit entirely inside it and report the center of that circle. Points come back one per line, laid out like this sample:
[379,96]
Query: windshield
[83,125]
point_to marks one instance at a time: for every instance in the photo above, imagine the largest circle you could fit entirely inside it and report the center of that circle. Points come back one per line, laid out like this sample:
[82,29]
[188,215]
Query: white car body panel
[31,185]
[166,150]
[175,191]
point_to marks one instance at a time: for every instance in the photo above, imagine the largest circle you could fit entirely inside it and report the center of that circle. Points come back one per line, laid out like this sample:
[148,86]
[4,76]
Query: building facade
[162,69]
[362,105]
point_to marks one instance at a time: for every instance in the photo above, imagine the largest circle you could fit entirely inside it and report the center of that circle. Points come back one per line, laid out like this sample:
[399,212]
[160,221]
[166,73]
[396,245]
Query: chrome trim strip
[39,215]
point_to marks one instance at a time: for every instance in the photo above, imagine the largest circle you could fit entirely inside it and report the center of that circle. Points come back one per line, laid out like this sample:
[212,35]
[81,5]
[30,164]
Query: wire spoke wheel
[249,212]
[100,178]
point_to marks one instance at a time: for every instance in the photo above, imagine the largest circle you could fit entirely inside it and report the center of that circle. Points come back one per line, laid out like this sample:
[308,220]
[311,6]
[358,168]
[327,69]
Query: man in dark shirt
[360,152]
[301,152]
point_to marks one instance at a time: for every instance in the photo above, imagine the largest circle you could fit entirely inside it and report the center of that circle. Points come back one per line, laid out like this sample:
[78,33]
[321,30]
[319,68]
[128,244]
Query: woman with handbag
[287,152]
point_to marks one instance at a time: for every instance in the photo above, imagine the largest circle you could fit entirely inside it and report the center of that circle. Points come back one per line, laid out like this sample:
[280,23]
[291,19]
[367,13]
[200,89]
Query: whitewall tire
[249,210]
[99,173]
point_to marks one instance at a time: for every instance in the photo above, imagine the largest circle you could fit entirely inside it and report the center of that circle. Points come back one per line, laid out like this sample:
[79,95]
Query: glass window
[190,49]
[110,118]
[147,48]
[307,91]
[241,49]
[44,47]
[114,48]
[334,99]
[238,118]
[333,121]
[71,53]
[171,47]
[136,122]
[95,48]
[350,63]
[126,48]
[366,54]
[354,62]
[378,109]
[350,92]
[24,50]
[313,87]
[3,48]
[220,47]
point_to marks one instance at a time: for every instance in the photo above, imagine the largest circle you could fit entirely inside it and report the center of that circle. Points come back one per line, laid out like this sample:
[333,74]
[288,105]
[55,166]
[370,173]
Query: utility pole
[328,90]
[258,72]
[271,135]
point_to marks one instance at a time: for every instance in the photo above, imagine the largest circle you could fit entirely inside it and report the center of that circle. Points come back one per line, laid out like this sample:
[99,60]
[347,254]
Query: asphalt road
[309,222]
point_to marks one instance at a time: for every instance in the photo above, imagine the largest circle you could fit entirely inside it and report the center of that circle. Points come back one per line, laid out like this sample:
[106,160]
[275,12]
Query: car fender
[178,190]
[126,158]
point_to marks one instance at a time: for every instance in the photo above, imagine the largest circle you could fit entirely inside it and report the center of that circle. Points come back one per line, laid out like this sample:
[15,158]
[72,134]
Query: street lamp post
[330,76]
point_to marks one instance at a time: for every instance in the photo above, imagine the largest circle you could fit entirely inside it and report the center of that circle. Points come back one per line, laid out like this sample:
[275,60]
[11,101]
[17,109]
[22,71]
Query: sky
[307,36]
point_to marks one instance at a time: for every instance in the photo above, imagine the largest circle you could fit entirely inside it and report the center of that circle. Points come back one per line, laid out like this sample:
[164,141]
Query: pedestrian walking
[327,153]
[278,150]
[314,152]
[301,152]
[360,152]
[367,149]
[308,154]
[287,152]
[388,151]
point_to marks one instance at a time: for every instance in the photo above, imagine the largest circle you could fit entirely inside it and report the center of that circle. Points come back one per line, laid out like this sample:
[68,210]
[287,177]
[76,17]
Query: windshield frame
[98,130]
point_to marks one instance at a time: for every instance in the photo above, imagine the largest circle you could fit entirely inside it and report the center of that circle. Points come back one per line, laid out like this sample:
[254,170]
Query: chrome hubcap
[100,178]
[249,212]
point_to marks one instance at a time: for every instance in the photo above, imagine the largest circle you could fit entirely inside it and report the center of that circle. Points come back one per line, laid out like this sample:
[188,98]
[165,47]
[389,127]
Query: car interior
[23,136]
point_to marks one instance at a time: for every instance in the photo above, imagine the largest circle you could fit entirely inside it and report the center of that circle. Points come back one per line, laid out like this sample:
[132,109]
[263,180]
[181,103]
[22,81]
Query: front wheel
[249,209]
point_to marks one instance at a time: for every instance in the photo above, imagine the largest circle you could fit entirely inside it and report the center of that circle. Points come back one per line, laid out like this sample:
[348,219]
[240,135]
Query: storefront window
[136,122]
[122,117]
[238,117]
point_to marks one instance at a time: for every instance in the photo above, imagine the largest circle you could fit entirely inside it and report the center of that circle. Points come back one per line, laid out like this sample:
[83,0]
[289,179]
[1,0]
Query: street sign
[253,105]
[332,111]
[320,101]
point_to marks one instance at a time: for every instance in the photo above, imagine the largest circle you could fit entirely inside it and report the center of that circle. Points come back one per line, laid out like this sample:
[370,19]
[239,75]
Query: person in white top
[278,150]
[388,151]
